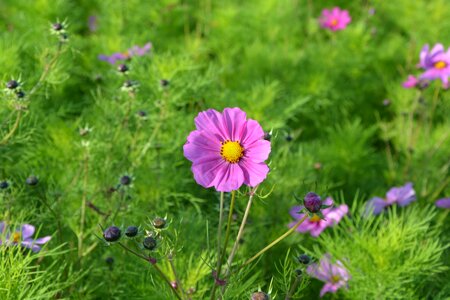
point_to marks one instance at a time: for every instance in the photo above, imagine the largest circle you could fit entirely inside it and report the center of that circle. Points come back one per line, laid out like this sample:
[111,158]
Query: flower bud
[298,272]
[159,222]
[125,180]
[20,94]
[112,234]
[312,202]
[57,26]
[304,259]
[141,113]
[164,82]
[12,84]
[131,231]
[149,243]
[267,136]
[260,296]
[4,185]
[122,68]
[32,180]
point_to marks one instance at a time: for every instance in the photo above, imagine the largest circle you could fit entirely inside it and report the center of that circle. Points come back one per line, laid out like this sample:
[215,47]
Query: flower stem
[293,288]
[219,240]
[177,280]
[160,272]
[83,206]
[13,129]
[279,239]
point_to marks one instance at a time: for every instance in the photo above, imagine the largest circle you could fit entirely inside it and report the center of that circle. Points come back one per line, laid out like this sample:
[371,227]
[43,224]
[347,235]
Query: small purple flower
[335,275]
[410,82]
[335,19]
[133,51]
[436,64]
[402,195]
[443,203]
[22,236]
[315,225]
[92,23]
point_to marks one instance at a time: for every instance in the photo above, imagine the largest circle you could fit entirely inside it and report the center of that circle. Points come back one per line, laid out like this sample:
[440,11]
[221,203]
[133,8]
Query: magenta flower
[402,195]
[22,236]
[227,150]
[335,276]
[410,82]
[315,225]
[443,203]
[436,63]
[336,19]
[133,51]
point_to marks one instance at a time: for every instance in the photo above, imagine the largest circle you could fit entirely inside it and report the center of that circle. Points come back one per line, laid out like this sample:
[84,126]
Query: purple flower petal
[376,205]
[402,195]
[27,231]
[443,203]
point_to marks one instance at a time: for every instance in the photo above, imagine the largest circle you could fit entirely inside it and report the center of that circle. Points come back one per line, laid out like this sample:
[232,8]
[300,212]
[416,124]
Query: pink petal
[294,212]
[201,147]
[212,121]
[235,122]
[206,172]
[230,180]
[254,173]
[252,133]
[328,288]
[258,151]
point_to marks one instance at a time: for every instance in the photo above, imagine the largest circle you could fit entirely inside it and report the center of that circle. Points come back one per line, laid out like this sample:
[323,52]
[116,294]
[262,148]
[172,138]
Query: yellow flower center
[440,65]
[315,218]
[335,278]
[334,22]
[16,237]
[231,151]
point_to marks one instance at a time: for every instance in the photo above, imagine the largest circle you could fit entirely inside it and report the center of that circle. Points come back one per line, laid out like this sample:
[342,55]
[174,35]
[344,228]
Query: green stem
[219,239]
[293,288]
[13,129]
[83,205]
[177,280]
[279,239]
[160,272]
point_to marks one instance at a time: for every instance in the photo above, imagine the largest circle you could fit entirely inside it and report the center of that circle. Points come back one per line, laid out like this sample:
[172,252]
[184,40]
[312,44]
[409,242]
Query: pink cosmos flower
[443,203]
[22,236]
[315,225]
[335,276]
[336,19]
[227,150]
[410,82]
[436,63]
[402,195]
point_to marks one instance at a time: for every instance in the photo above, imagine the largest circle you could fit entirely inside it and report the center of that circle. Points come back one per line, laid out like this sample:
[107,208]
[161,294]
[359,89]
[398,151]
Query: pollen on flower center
[440,65]
[16,237]
[232,151]
[315,218]
[335,278]
[334,22]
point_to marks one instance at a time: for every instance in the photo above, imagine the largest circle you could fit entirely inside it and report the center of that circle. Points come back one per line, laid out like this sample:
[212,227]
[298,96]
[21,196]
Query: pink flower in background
[410,82]
[336,19]
[133,51]
[443,203]
[227,150]
[335,275]
[315,225]
[22,237]
[402,196]
[436,64]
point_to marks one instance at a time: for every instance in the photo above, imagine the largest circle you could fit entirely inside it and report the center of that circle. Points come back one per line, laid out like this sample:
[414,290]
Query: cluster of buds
[14,87]
[60,30]
[130,86]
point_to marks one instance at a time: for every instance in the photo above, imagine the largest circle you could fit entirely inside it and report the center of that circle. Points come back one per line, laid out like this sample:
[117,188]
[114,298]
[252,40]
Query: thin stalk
[279,239]
[219,240]
[13,129]
[177,279]
[293,288]
[241,230]
[160,272]
[83,205]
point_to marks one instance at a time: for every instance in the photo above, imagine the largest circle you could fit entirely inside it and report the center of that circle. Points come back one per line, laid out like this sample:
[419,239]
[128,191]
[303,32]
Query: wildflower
[436,64]
[22,237]
[260,296]
[304,259]
[386,102]
[336,19]
[92,23]
[335,276]
[159,222]
[112,234]
[149,243]
[32,180]
[133,51]
[227,150]
[131,231]
[443,203]
[315,224]
[312,202]
[402,195]
[410,82]
[59,29]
